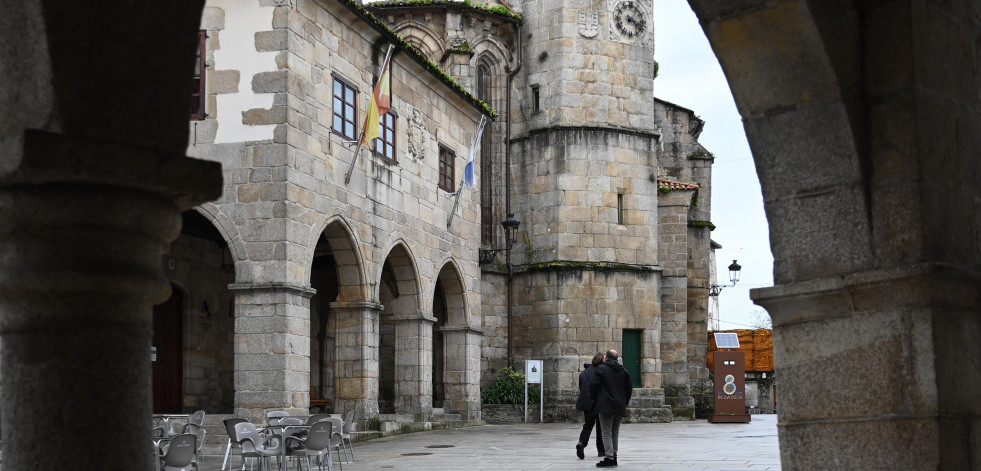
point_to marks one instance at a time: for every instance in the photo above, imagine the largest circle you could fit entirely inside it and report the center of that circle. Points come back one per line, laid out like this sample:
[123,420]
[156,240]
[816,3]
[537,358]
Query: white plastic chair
[346,434]
[336,442]
[316,443]
[232,441]
[179,453]
[272,418]
[255,446]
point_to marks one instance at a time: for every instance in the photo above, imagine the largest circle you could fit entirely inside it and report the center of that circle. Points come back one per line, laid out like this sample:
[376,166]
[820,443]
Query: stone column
[272,349]
[857,368]
[83,228]
[356,366]
[461,379]
[414,365]
[673,251]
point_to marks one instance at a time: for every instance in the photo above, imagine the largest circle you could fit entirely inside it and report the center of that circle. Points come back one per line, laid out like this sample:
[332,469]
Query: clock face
[629,19]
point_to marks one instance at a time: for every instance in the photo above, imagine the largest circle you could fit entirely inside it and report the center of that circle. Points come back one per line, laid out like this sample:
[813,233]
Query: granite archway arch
[863,121]
[403,329]
[422,37]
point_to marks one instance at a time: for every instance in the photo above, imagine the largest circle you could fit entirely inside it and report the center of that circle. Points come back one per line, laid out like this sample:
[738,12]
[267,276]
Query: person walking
[585,404]
[611,390]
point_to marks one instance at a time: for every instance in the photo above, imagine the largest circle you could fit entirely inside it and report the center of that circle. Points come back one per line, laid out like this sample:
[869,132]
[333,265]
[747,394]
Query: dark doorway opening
[168,368]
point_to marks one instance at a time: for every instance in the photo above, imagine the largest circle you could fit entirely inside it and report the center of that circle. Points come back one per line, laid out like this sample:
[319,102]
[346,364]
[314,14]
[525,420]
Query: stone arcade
[863,120]
[370,292]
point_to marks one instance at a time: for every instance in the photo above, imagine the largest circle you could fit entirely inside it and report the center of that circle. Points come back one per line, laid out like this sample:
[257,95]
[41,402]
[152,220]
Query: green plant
[510,389]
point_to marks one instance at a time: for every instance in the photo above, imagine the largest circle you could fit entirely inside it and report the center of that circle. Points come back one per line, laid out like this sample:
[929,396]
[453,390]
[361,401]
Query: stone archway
[404,343]
[337,276]
[454,340]
[864,125]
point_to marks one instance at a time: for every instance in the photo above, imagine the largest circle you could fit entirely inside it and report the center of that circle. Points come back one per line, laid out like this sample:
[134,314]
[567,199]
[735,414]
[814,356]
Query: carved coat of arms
[589,23]
[417,134]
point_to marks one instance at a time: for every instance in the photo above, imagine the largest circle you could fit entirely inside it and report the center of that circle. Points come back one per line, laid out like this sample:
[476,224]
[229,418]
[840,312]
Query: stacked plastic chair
[178,453]
[316,443]
[257,447]
[346,434]
[232,441]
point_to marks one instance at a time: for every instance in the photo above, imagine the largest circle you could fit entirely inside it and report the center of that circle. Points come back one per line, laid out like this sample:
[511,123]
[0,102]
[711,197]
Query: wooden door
[168,369]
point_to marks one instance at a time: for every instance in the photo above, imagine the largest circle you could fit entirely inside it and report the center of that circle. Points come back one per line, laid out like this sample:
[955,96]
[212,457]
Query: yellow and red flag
[381,102]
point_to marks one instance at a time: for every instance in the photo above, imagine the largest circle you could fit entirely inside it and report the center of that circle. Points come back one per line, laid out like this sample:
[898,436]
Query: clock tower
[584,183]
[630,22]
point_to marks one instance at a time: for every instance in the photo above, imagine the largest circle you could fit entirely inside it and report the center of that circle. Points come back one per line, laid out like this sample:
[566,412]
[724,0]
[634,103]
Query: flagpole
[463,181]
[354,161]
[456,203]
[357,151]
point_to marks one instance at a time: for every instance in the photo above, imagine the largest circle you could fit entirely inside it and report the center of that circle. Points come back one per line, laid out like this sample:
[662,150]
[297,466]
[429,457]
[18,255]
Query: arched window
[486,169]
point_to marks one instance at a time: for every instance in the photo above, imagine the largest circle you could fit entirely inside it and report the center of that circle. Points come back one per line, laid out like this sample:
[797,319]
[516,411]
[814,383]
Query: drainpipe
[507,190]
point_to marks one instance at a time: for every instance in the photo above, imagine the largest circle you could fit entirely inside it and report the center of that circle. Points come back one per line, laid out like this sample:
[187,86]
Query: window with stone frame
[345,108]
[446,168]
[385,143]
[197,89]
[487,225]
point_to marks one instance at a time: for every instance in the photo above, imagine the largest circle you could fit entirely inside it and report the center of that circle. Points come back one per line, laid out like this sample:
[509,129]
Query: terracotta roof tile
[668,185]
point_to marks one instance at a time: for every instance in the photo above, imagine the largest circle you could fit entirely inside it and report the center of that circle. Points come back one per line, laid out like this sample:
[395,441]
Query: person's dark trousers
[587,428]
[611,434]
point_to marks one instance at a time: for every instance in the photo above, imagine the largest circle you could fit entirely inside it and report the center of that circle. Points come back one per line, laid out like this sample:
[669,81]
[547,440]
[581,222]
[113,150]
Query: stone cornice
[417,317]
[302,290]
[356,305]
[462,328]
[559,265]
[924,284]
[571,128]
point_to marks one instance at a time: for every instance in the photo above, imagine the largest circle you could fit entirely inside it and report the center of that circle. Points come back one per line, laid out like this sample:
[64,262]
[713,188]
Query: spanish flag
[381,102]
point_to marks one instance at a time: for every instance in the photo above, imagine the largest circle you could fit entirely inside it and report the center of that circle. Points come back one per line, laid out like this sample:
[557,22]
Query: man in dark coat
[585,404]
[611,390]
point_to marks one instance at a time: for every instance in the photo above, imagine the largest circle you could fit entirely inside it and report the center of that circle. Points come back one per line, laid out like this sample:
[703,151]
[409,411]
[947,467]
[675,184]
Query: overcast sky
[690,76]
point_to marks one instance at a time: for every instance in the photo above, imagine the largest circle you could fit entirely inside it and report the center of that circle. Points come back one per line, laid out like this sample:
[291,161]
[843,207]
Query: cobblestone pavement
[696,445]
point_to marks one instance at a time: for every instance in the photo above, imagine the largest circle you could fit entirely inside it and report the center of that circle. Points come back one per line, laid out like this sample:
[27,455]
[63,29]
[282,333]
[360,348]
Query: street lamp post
[511,233]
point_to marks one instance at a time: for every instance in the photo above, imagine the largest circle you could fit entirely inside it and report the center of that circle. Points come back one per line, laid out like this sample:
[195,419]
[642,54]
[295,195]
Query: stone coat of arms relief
[418,136]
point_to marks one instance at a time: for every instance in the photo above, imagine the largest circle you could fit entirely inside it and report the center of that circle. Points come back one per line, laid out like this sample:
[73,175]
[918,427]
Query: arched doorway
[439,312]
[199,266]
[403,345]
[324,279]
[452,343]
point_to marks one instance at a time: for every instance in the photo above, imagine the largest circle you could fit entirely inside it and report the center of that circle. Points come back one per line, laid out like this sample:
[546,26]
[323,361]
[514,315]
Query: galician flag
[469,173]
[381,101]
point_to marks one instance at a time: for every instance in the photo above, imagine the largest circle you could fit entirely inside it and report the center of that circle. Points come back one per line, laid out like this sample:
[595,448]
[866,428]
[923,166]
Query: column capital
[57,158]
[356,305]
[418,317]
[305,291]
[913,285]
[467,329]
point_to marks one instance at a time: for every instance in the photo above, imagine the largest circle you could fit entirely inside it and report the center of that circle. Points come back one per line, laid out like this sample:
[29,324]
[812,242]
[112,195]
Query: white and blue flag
[469,175]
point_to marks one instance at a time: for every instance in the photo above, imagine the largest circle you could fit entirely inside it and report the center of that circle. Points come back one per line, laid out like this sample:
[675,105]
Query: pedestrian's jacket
[611,389]
[585,403]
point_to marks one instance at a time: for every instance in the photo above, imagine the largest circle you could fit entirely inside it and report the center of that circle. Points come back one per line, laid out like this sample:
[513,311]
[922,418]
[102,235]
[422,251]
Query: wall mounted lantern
[734,270]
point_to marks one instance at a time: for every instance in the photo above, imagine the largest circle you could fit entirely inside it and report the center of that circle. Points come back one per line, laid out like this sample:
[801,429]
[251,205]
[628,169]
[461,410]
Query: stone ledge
[57,158]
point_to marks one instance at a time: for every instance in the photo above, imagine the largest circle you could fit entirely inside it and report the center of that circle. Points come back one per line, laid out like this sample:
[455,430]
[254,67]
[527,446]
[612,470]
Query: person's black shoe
[607,463]
[579,453]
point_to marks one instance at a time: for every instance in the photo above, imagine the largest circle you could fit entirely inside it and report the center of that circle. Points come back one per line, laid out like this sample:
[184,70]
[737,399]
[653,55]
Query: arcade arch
[337,275]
